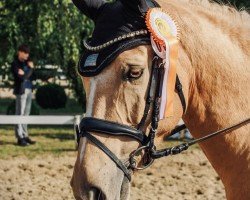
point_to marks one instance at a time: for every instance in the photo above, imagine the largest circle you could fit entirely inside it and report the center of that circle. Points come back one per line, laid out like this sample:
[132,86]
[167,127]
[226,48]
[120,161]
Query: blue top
[27,82]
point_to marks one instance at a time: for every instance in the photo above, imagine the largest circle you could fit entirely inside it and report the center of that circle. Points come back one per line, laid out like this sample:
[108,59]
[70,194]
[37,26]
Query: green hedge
[11,109]
[51,96]
[45,74]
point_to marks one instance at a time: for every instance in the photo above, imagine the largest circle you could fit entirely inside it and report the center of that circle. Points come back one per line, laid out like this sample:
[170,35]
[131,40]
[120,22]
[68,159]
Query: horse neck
[218,69]
[218,90]
[215,59]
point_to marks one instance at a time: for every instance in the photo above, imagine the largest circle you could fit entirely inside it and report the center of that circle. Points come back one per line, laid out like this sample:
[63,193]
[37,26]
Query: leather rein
[147,148]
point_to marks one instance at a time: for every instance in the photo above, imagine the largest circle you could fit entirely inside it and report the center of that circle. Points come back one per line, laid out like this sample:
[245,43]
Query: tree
[240,4]
[53,29]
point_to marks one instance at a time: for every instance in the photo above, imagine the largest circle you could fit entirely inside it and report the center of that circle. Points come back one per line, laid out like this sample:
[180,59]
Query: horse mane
[221,10]
[216,40]
[234,23]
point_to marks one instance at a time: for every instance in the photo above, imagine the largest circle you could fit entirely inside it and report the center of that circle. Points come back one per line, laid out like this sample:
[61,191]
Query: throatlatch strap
[178,88]
[177,129]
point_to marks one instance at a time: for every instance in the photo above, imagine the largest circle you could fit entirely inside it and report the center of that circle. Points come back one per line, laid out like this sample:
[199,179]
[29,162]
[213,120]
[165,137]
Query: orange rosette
[161,25]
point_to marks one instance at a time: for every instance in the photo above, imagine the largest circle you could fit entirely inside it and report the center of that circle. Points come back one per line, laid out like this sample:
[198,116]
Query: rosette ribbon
[164,41]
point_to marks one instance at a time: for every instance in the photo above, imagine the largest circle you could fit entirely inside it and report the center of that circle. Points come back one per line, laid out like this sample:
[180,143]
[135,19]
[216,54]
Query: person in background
[22,68]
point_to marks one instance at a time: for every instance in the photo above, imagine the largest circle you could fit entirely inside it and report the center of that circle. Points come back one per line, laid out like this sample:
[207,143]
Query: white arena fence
[41,120]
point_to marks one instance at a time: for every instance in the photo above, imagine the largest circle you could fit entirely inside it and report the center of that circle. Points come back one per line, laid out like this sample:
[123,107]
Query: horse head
[117,70]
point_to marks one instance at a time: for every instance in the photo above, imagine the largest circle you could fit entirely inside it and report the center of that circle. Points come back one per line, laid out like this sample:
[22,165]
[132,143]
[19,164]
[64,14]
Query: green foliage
[11,109]
[77,84]
[53,29]
[240,4]
[51,140]
[51,96]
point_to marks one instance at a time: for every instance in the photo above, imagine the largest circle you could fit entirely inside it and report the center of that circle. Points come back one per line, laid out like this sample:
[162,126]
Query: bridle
[90,124]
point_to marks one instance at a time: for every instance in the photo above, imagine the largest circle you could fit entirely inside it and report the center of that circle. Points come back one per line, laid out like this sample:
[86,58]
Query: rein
[147,148]
[184,146]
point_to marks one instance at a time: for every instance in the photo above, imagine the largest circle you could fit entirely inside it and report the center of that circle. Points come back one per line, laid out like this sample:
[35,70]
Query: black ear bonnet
[119,26]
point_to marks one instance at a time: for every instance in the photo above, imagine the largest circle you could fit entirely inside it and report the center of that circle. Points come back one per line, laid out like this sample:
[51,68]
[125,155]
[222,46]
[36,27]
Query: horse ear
[147,4]
[131,5]
[141,6]
[89,7]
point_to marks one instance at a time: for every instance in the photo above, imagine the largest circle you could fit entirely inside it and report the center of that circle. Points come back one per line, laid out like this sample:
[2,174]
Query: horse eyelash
[125,75]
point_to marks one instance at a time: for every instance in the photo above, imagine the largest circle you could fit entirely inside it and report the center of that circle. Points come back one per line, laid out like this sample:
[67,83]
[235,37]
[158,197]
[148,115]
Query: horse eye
[134,73]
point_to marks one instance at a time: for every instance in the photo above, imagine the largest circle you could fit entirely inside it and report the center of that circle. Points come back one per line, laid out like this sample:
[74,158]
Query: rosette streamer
[164,41]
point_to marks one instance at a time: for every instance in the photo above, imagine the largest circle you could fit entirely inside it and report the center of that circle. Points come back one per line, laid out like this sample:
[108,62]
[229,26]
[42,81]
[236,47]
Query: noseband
[90,124]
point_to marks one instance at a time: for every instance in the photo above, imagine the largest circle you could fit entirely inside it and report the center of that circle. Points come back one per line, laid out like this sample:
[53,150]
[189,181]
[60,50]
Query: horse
[213,67]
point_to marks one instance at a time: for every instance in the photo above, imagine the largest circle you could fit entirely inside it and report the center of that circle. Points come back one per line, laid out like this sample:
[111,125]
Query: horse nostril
[96,194]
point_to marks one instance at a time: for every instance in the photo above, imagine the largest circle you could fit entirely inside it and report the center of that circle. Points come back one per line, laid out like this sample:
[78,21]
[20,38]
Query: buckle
[146,161]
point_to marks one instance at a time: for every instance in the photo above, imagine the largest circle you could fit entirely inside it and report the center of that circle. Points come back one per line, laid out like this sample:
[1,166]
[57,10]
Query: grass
[72,108]
[50,140]
[54,140]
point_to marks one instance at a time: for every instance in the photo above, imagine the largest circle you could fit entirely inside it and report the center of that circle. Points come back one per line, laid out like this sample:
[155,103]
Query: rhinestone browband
[118,39]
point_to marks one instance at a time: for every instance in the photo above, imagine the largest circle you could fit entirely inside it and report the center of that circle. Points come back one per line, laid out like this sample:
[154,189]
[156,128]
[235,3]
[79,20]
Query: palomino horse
[213,67]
